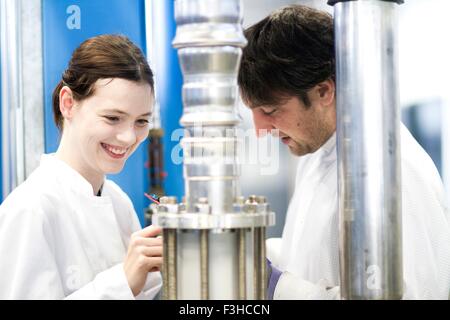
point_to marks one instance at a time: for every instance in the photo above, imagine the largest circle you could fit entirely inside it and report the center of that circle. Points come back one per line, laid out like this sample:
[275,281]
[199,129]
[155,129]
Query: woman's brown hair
[100,57]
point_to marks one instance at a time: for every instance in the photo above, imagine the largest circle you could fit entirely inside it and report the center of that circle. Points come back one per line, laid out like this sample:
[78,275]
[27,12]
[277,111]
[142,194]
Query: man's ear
[66,102]
[325,92]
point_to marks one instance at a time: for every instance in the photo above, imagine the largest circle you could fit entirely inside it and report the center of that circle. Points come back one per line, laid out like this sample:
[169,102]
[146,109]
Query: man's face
[108,126]
[303,129]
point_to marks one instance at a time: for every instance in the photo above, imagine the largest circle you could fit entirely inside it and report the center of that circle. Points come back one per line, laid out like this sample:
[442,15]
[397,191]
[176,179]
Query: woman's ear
[326,92]
[66,102]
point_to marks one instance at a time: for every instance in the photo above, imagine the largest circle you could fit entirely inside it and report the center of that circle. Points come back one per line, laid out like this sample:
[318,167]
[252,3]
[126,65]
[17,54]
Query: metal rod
[172,263]
[204,264]
[165,266]
[263,276]
[242,278]
[256,264]
[368,150]
[13,146]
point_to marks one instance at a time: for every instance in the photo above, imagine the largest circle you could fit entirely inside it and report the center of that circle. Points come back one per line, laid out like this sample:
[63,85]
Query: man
[287,78]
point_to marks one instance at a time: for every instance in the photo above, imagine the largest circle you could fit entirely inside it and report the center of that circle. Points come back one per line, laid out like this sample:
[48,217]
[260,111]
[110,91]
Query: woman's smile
[114,151]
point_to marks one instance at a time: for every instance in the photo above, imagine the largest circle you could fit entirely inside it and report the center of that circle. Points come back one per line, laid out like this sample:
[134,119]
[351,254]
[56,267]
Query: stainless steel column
[13,159]
[22,90]
[368,148]
[215,220]
[209,39]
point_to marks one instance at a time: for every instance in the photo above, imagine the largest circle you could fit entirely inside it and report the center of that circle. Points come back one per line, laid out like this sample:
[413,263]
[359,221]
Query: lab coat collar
[70,176]
[330,145]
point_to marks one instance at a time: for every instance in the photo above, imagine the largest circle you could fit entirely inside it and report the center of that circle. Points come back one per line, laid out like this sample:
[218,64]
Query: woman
[67,232]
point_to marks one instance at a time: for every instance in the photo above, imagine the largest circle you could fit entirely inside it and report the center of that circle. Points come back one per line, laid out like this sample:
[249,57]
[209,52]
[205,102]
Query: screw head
[168,200]
[239,200]
[261,199]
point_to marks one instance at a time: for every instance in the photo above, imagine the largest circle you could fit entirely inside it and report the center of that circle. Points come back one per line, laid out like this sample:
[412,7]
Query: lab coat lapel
[100,233]
[92,217]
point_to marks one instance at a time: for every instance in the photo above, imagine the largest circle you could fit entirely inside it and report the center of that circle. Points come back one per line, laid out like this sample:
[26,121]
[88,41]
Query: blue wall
[168,85]
[62,33]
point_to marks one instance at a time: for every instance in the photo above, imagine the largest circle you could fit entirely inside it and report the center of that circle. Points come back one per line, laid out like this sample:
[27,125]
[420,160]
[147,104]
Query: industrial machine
[214,240]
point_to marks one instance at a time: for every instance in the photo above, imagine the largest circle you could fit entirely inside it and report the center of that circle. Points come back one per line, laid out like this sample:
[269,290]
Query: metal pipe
[165,266]
[242,264]
[259,264]
[256,264]
[172,263]
[209,39]
[13,150]
[368,149]
[263,275]
[204,264]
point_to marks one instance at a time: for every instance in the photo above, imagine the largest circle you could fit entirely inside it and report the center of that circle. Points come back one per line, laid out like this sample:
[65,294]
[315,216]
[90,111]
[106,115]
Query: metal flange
[212,221]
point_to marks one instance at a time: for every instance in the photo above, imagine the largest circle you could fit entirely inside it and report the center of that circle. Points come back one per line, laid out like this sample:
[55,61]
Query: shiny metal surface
[171,243]
[210,89]
[242,268]
[13,145]
[212,263]
[204,264]
[165,265]
[208,22]
[263,272]
[368,150]
[209,221]
[257,283]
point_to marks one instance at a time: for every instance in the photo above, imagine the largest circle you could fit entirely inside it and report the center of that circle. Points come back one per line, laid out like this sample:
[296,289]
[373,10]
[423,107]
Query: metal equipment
[214,241]
[368,149]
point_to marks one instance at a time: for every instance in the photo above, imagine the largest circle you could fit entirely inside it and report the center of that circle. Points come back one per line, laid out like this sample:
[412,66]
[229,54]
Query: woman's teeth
[117,151]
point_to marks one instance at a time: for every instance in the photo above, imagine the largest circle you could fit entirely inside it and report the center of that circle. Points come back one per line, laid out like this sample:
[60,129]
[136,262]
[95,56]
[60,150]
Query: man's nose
[263,124]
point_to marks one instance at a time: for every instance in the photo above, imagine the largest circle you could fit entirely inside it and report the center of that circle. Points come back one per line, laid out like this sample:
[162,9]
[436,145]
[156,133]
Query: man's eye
[268,112]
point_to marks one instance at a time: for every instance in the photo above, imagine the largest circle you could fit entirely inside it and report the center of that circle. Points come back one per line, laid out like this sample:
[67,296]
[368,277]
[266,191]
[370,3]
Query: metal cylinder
[13,145]
[165,265]
[256,265]
[263,271]
[242,279]
[204,265]
[209,36]
[214,222]
[171,260]
[368,149]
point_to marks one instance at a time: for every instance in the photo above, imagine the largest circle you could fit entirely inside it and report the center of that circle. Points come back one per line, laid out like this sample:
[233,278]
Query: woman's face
[107,127]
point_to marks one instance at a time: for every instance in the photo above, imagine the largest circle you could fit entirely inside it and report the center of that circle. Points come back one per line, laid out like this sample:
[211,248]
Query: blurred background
[38,36]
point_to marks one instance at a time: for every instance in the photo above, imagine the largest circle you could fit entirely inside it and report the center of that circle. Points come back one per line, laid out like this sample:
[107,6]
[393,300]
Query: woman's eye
[142,122]
[112,118]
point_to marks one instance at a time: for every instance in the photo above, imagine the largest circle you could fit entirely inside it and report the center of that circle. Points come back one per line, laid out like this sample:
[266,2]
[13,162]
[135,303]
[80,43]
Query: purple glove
[273,276]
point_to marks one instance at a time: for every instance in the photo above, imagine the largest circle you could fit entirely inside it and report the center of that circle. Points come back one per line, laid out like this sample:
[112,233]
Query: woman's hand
[144,256]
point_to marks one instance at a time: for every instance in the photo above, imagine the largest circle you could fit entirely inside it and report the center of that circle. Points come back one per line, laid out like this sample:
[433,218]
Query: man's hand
[273,275]
[144,256]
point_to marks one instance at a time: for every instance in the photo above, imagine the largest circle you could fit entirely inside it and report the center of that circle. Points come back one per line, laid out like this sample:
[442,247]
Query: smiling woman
[77,236]
[104,129]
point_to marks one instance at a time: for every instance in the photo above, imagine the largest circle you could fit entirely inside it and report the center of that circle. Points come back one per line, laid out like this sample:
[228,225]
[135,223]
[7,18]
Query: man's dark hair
[288,53]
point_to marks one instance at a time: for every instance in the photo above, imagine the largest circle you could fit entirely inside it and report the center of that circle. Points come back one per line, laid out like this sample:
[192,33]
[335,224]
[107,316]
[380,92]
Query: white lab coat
[58,240]
[308,253]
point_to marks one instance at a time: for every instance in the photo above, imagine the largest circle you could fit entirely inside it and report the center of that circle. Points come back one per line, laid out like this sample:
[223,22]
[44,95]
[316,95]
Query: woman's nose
[127,136]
